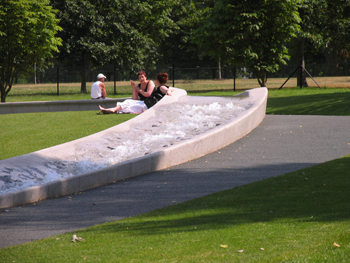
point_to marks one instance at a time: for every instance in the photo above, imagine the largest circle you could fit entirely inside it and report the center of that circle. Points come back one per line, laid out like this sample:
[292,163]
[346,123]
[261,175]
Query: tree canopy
[125,33]
[249,33]
[27,36]
[135,34]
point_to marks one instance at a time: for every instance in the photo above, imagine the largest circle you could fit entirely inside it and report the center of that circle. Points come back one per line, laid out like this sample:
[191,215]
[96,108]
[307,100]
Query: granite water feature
[177,129]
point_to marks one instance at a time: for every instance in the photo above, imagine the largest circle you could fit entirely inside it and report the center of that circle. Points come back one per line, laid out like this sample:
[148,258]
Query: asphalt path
[280,144]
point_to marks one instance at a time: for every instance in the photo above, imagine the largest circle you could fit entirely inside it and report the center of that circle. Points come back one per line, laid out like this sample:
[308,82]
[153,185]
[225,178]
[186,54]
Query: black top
[156,96]
[143,98]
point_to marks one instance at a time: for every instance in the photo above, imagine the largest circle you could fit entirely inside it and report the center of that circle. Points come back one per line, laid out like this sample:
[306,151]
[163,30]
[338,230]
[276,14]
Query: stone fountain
[177,129]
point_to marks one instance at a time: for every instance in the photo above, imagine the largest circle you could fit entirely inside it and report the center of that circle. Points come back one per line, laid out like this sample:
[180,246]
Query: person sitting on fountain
[162,89]
[147,93]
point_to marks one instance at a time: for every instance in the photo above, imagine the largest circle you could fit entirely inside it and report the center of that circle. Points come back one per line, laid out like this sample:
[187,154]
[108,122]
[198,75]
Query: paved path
[279,145]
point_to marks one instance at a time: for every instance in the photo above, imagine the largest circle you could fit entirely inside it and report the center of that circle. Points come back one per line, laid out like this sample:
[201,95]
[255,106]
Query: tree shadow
[319,104]
[317,194]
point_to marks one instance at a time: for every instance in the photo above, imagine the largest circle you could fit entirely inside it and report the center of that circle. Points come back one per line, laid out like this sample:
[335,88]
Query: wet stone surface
[172,124]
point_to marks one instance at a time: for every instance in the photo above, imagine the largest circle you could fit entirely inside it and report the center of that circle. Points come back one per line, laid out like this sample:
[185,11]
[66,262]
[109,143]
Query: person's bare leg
[110,110]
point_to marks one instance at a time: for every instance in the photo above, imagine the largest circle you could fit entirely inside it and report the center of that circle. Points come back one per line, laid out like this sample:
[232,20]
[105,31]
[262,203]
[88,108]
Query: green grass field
[297,217]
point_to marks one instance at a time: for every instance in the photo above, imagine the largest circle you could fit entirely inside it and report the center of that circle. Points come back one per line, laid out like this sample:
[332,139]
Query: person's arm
[166,91]
[135,94]
[149,89]
[103,90]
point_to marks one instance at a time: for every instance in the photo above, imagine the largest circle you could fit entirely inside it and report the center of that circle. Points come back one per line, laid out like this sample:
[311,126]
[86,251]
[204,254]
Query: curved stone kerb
[182,152]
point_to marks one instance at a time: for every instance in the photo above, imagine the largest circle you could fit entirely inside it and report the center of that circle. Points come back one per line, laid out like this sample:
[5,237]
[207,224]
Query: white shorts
[132,106]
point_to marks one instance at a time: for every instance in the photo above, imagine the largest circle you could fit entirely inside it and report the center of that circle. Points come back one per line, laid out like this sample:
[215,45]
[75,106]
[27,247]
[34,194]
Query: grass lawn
[36,131]
[302,216]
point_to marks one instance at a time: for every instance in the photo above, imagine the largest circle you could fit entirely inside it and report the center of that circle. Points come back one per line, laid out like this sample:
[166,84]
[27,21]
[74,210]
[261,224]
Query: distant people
[98,88]
[160,91]
[145,91]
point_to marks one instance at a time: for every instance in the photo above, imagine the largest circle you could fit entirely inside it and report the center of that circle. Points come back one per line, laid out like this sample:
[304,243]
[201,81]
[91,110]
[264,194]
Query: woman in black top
[160,91]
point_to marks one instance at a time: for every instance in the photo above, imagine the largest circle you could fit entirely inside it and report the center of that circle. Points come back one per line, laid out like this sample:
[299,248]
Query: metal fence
[58,74]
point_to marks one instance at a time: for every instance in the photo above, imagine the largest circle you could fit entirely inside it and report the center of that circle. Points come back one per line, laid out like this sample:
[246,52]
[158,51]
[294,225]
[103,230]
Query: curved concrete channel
[161,158]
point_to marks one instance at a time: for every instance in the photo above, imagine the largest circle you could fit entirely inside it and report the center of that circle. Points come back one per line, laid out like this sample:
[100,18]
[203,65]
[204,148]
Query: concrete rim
[182,152]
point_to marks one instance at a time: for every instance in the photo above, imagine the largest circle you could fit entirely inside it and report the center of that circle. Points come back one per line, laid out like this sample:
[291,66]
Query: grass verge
[29,132]
[298,217]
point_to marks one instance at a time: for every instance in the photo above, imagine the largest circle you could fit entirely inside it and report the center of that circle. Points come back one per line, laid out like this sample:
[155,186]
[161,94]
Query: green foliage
[252,33]
[124,33]
[177,48]
[324,22]
[27,36]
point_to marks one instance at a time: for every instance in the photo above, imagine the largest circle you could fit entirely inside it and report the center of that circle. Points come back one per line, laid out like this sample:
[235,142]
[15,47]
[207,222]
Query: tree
[27,36]
[249,33]
[177,48]
[124,33]
[325,27]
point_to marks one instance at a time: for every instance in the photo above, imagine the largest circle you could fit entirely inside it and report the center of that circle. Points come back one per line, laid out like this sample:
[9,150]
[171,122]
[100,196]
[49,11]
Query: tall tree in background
[250,33]
[27,36]
[325,26]
[125,33]
[178,49]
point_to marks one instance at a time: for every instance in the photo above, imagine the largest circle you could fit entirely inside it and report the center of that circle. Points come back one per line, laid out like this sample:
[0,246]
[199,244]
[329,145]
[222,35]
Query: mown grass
[29,132]
[298,217]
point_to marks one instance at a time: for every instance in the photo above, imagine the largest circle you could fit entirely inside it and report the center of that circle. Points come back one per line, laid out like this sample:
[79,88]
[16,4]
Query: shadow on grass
[316,194]
[337,104]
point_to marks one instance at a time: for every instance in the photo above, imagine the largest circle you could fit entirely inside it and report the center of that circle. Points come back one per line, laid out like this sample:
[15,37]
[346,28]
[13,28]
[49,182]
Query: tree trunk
[219,66]
[262,78]
[300,55]
[3,93]
[35,82]
[83,74]
[3,97]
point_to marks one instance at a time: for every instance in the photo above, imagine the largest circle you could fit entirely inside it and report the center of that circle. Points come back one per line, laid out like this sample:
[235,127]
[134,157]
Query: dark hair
[141,73]
[162,78]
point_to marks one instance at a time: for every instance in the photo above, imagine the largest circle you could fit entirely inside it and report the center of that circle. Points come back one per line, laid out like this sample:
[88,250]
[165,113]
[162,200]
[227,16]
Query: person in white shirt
[98,88]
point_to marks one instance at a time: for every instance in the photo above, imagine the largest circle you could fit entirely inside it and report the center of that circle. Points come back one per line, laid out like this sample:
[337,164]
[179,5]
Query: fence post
[58,81]
[116,77]
[234,78]
[301,74]
[225,66]
[197,72]
[170,72]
